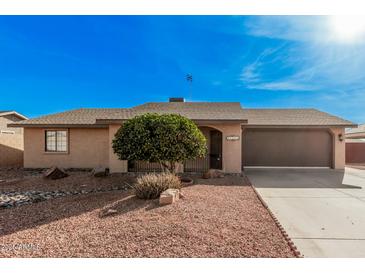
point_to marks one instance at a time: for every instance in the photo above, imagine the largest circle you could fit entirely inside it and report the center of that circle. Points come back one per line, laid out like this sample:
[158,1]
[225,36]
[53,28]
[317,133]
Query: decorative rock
[110,212]
[18,198]
[186,181]
[100,172]
[169,196]
[55,173]
[213,173]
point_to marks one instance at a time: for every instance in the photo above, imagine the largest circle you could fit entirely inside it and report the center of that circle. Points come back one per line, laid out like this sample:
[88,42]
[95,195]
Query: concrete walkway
[322,210]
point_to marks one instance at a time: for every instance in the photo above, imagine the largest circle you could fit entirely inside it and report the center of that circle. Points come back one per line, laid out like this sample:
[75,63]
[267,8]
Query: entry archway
[214,157]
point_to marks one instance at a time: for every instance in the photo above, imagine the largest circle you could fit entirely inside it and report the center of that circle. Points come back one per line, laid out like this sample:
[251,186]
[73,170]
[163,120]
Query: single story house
[356,133]
[355,145]
[236,137]
[11,139]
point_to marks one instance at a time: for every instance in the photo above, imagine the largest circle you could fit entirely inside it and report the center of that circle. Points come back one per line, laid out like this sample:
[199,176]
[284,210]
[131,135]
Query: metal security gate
[197,165]
[142,166]
[213,159]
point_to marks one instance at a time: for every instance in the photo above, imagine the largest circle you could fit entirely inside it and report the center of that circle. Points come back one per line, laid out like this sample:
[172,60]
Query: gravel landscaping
[20,180]
[20,187]
[16,198]
[216,218]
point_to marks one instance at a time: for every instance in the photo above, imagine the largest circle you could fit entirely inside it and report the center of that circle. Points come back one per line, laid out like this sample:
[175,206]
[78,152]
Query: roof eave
[299,125]
[198,121]
[57,125]
[355,133]
[14,113]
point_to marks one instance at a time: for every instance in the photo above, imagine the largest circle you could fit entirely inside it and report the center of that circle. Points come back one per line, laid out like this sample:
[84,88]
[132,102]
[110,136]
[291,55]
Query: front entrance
[215,154]
[213,159]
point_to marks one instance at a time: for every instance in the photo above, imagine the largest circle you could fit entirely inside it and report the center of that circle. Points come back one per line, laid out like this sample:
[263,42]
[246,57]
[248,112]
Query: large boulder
[55,173]
[213,173]
[169,196]
[100,172]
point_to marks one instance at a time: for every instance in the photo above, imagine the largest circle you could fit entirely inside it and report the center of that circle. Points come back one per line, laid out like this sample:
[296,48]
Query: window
[56,140]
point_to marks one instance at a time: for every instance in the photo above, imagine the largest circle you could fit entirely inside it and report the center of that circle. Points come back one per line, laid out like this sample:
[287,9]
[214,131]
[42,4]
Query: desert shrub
[150,186]
[166,139]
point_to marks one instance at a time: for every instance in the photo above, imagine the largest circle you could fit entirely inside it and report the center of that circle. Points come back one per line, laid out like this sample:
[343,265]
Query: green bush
[151,185]
[166,139]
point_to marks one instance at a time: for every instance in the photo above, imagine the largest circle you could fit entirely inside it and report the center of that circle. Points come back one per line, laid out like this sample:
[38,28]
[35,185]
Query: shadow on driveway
[298,178]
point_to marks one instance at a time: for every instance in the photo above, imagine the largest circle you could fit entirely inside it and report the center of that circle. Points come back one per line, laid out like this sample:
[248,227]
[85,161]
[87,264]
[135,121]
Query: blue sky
[55,63]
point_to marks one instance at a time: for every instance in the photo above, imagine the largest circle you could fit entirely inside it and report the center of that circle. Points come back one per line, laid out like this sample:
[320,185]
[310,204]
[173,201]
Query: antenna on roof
[189,78]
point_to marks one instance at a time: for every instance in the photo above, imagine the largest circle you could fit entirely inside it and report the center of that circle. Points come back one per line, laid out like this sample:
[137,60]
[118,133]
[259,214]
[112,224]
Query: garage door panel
[287,147]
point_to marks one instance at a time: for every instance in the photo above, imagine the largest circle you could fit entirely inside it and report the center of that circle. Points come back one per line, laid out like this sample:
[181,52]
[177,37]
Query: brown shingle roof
[82,116]
[195,111]
[290,117]
[89,116]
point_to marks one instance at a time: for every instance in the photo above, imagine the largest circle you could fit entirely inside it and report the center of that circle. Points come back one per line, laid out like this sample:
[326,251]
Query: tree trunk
[169,167]
[165,166]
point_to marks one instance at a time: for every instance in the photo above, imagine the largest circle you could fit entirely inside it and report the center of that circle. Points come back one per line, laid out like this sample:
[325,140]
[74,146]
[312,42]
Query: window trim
[55,151]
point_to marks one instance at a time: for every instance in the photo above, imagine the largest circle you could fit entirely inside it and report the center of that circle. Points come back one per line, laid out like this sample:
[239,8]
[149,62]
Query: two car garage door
[287,147]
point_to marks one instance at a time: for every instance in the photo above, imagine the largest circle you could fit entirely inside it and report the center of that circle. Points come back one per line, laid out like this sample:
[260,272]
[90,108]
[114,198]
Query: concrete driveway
[322,210]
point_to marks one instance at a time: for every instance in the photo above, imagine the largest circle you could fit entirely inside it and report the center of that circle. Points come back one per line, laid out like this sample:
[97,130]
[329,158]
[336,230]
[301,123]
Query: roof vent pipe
[176,100]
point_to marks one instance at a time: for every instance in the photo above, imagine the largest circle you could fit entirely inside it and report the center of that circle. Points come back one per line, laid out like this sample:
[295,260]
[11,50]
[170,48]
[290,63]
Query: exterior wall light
[340,137]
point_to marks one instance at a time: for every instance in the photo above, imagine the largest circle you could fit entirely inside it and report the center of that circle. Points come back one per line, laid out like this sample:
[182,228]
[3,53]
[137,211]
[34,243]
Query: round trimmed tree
[167,139]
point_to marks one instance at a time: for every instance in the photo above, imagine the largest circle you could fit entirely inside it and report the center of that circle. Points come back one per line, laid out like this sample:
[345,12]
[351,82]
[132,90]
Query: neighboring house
[11,139]
[356,133]
[355,145]
[236,137]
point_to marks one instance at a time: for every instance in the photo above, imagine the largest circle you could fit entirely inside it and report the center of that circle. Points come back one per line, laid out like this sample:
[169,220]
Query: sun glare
[348,28]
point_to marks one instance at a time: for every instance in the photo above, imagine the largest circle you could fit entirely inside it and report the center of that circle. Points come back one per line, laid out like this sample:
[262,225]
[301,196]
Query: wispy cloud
[255,74]
[293,28]
[250,73]
[283,85]
[303,57]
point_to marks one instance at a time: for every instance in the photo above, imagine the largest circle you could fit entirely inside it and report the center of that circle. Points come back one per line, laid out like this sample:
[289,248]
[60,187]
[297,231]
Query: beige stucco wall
[93,147]
[88,148]
[6,119]
[231,150]
[11,150]
[339,148]
[11,145]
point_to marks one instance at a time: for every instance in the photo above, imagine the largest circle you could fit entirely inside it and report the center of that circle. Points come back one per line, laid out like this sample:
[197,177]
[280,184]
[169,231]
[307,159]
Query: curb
[278,224]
